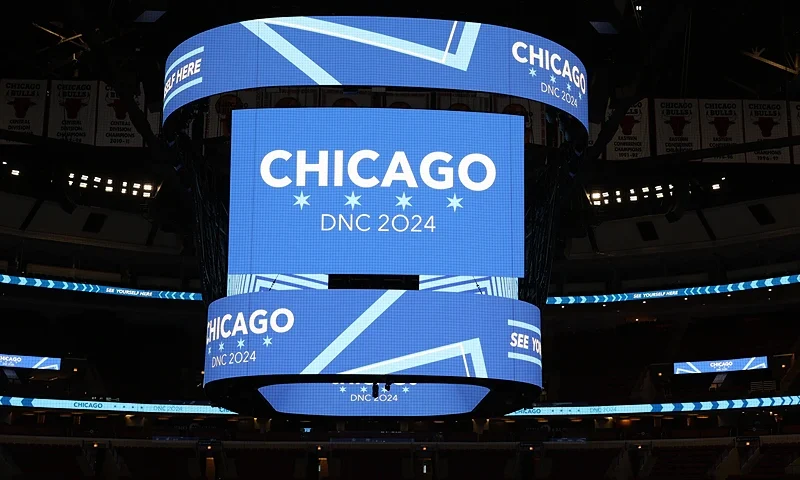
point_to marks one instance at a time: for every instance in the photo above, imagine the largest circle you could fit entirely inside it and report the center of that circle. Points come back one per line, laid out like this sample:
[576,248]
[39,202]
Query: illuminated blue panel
[376,191]
[716,366]
[35,363]
[380,51]
[91,288]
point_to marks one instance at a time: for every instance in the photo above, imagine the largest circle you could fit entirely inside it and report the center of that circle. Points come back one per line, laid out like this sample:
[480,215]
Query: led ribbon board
[376,191]
[398,52]
[34,363]
[473,341]
[717,366]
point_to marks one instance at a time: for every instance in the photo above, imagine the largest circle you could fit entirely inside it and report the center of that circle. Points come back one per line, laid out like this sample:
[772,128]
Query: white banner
[467,102]
[722,125]
[532,111]
[335,97]
[765,120]
[114,127]
[408,100]
[219,119]
[23,106]
[677,126]
[73,109]
[632,138]
[795,112]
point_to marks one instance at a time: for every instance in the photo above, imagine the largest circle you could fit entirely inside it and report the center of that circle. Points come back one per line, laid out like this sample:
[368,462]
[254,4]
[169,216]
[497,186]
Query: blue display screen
[716,366]
[375,51]
[373,333]
[35,363]
[376,191]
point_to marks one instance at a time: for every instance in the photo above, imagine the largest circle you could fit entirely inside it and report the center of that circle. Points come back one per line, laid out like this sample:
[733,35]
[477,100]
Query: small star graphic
[532,72]
[363,389]
[569,87]
[240,343]
[342,389]
[552,79]
[267,341]
[580,97]
[383,390]
[302,199]
[352,200]
[405,389]
[209,349]
[403,201]
[221,346]
[455,203]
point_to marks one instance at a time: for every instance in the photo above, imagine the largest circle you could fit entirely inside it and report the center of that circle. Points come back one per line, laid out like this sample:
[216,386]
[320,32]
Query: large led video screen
[719,366]
[375,51]
[31,362]
[376,191]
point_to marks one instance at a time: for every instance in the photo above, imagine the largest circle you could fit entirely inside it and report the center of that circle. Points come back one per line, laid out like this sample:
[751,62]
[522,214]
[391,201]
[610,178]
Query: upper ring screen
[375,51]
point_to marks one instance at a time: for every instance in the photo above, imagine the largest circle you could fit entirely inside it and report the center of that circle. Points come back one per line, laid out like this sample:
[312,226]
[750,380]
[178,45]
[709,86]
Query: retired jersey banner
[220,107]
[721,125]
[23,106]
[632,139]
[337,97]
[532,112]
[408,100]
[765,120]
[677,125]
[114,127]
[73,109]
[795,112]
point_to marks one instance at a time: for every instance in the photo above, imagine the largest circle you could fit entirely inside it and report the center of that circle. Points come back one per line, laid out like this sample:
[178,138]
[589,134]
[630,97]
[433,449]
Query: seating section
[45,461]
[160,463]
[583,464]
[251,464]
[477,464]
[775,458]
[685,463]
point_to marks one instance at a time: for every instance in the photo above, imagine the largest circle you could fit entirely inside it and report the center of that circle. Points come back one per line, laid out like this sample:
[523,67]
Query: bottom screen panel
[356,399]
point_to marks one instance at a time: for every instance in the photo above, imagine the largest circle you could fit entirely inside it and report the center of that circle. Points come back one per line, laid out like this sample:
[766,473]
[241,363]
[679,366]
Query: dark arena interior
[554,240]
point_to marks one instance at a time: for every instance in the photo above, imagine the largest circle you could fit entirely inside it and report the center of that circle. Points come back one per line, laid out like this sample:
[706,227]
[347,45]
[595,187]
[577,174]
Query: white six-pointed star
[342,389]
[352,200]
[405,389]
[455,202]
[363,389]
[221,346]
[240,343]
[532,72]
[569,87]
[301,199]
[552,79]
[267,341]
[403,201]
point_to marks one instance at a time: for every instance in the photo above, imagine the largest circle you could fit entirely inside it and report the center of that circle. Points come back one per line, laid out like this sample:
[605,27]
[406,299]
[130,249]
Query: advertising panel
[114,127]
[381,51]
[721,126]
[34,363]
[73,111]
[632,139]
[677,125]
[716,366]
[390,191]
[23,105]
[764,120]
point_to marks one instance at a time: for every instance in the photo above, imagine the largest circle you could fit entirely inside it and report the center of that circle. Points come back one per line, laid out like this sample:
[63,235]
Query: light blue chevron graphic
[459,60]
[196,51]
[183,87]
[461,349]
[492,286]
[352,332]
[247,283]
[526,326]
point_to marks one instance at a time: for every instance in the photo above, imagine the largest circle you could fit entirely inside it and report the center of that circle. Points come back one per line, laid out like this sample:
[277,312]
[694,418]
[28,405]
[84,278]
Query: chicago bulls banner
[795,112]
[721,125]
[533,112]
[466,102]
[219,118]
[632,139]
[764,120]
[290,97]
[114,127]
[73,109]
[336,97]
[408,100]
[677,126]
[23,106]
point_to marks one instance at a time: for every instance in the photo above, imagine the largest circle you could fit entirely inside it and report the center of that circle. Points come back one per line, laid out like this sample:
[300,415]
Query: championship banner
[381,51]
[721,126]
[764,120]
[219,118]
[114,127]
[677,125]
[532,112]
[795,109]
[23,107]
[632,139]
[463,102]
[471,339]
[594,132]
[336,97]
[290,97]
[154,119]
[408,100]
[391,191]
[73,111]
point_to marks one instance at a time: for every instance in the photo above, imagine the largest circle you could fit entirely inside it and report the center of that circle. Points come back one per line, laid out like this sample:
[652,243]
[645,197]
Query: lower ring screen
[356,399]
